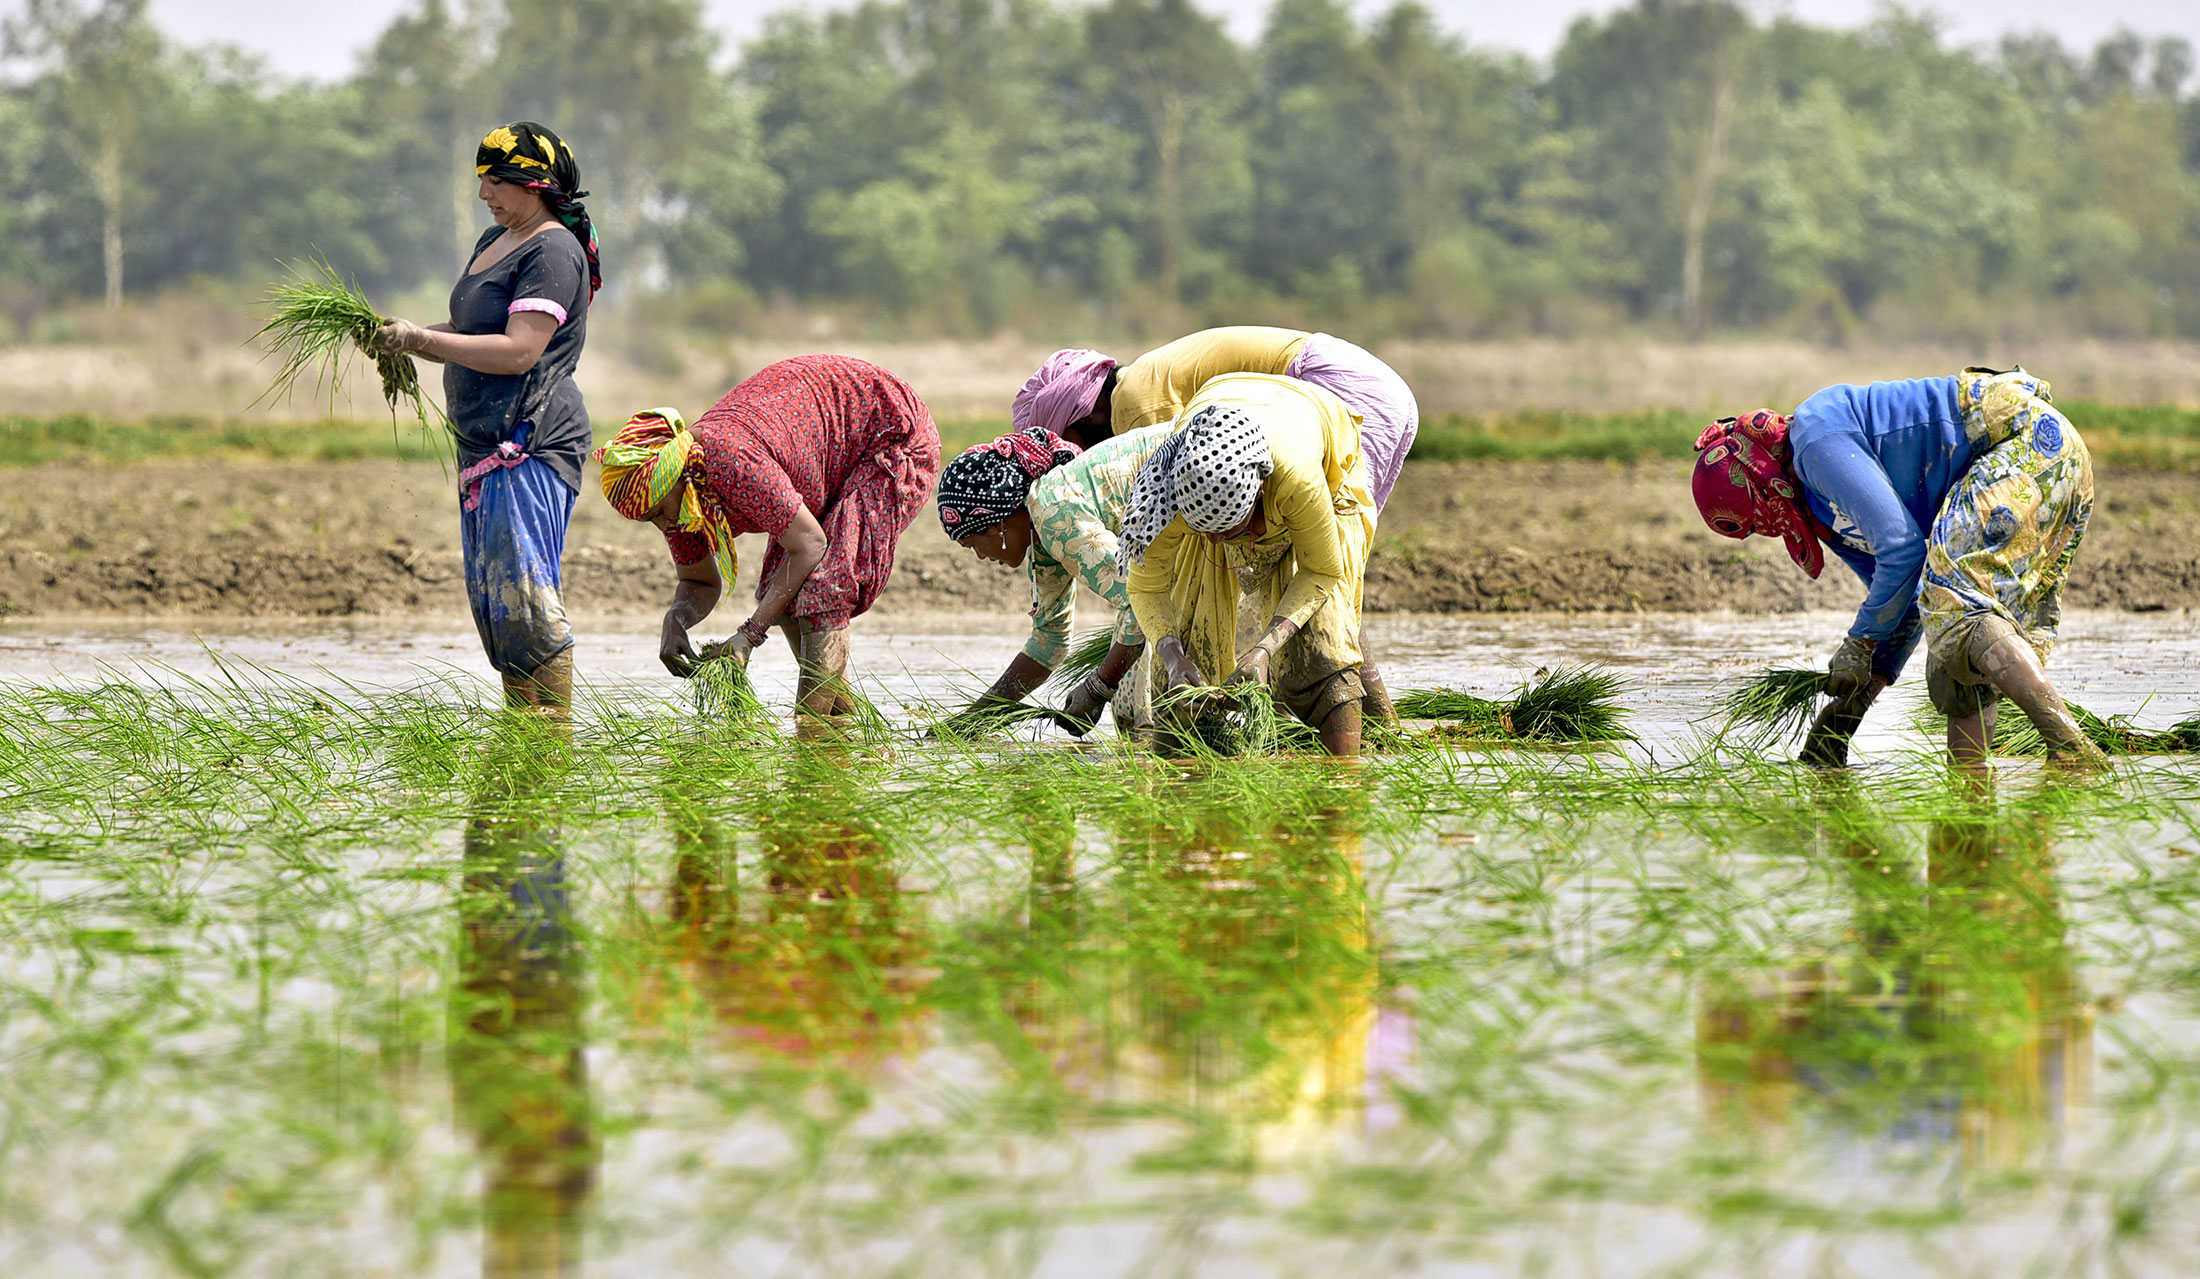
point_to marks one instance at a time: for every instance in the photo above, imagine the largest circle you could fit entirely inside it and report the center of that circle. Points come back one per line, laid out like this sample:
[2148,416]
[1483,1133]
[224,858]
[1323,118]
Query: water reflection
[519,1073]
[1945,1023]
[1222,972]
[825,966]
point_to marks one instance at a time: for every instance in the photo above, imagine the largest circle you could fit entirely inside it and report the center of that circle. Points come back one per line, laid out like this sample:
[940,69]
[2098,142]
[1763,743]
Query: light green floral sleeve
[1075,512]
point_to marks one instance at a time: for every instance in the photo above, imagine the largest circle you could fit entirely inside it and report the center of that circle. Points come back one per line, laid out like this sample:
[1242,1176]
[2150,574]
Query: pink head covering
[1064,389]
[1743,485]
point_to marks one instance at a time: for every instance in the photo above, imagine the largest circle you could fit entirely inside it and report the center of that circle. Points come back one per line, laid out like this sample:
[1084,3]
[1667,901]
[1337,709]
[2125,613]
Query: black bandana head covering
[985,485]
[532,156]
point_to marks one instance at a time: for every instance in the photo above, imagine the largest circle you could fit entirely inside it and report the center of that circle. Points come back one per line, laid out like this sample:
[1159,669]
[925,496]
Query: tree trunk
[1700,199]
[110,202]
[1168,140]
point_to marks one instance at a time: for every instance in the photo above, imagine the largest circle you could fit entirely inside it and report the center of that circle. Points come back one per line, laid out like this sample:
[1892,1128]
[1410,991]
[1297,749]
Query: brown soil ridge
[320,540]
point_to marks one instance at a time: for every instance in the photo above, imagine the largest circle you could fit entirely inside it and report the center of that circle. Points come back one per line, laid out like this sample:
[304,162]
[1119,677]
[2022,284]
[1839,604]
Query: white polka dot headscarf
[1210,473]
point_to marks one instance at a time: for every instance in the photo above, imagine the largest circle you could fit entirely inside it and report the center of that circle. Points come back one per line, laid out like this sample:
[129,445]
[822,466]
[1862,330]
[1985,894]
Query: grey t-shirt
[549,274]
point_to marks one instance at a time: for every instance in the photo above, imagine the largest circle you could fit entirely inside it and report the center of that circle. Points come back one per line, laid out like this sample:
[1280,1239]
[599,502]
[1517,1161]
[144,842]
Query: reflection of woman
[519,316]
[821,973]
[1959,1022]
[1030,499]
[1260,491]
[830,457]
[1959,500]
[519,1073]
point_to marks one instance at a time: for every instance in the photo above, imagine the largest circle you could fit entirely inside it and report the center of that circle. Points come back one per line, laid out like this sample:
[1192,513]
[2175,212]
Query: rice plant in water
[1570,704]
[724,692]
[1203,720]
[1086,654]
[1773,705]
[319,321]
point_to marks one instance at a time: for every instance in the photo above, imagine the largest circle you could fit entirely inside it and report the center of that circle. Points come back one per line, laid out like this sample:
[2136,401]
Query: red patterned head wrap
[1744,485]
[987,484]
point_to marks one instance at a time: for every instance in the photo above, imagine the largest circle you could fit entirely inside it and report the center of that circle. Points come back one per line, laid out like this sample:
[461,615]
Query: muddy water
[2112,663]
[287,993]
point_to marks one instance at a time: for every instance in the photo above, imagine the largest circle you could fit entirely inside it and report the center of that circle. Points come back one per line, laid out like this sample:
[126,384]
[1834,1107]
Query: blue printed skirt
[514,543]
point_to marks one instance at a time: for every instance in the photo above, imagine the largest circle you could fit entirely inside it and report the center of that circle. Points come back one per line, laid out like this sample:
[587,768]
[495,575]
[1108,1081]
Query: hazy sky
[321,38]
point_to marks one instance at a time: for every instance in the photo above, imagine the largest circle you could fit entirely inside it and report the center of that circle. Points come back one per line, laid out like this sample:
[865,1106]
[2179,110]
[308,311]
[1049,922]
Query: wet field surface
[310,964]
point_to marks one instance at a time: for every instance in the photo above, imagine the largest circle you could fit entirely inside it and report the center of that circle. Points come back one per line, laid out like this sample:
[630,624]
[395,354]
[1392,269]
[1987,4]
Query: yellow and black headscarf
[530,155]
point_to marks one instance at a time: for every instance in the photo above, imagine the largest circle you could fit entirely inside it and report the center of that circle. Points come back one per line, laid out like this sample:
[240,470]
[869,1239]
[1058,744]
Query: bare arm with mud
[804,544]
[693,597]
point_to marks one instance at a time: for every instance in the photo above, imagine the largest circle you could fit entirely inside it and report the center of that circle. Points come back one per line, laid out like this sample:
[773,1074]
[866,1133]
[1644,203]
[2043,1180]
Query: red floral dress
[839,437]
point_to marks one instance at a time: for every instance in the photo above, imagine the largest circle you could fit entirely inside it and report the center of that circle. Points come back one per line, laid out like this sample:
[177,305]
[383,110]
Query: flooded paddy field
[309,963]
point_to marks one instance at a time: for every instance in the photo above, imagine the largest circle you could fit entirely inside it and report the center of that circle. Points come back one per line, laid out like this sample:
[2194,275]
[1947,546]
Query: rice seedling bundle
[724,692]
[987,718]
[2115,734]
[1239,720]
[1086,654]
[319,320]
[1570,704]
[1773,705]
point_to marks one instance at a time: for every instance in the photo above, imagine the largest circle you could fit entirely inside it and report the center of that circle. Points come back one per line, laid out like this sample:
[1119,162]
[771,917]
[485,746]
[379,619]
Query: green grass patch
[2150,437]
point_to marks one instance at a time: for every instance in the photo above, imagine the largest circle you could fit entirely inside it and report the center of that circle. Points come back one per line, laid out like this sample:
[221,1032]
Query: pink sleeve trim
[544,305]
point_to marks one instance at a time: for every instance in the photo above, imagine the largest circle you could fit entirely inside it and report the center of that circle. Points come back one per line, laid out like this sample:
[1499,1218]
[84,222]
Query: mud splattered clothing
[1875,462]
[1944,470]
[1076,513]
[1308,565]
[841,438]
[2010,528]
[513,543]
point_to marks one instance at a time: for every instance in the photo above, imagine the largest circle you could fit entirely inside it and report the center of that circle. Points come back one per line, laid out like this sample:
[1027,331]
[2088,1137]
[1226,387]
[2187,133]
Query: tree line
[969,165]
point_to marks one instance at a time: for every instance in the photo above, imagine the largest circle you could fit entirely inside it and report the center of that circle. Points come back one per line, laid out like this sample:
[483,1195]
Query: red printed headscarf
[1744,484]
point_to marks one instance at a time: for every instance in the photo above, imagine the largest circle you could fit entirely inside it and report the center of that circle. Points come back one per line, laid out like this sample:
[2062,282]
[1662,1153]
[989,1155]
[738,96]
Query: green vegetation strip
[2150,437]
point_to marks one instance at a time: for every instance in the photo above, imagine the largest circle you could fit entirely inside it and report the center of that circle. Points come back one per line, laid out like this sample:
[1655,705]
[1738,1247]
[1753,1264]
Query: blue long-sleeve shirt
[1876,462]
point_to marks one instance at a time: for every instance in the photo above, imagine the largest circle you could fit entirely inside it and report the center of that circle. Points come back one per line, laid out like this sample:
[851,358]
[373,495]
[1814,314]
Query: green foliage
[970,166]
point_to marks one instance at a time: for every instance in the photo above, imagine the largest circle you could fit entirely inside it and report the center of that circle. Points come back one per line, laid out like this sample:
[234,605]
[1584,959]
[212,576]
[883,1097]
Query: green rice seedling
[2114,735]
[1086,654]
[319,320]
[990,717]
[1240,720]
[1570,704]
[1453,706]
[724,692]
[1774,705]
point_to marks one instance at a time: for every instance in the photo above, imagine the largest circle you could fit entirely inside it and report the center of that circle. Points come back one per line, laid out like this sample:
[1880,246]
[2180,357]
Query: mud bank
[367,538]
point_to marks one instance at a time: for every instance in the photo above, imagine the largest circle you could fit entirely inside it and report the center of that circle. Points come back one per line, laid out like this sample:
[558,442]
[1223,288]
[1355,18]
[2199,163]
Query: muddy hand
[1082,709]
[396,337]
[1850,670]
[736,646]
[674,650]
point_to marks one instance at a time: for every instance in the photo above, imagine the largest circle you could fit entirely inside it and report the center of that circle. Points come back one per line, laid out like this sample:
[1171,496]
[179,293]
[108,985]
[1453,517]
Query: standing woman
[519,316]
[828,456]
[1260,492]
[1960,501]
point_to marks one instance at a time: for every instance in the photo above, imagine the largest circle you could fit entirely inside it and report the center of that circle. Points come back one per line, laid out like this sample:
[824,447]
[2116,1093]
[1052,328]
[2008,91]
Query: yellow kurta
[1156,386]
[1310,563]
